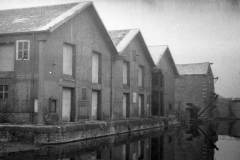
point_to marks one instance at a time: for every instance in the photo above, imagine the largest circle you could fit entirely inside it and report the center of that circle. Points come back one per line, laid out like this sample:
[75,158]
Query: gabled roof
[122,38]
[157,52]
[194,68]
[35,19]
[46,19]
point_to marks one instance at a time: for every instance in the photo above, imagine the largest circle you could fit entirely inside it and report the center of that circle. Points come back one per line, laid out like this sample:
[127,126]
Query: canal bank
[174,143]
[69,132]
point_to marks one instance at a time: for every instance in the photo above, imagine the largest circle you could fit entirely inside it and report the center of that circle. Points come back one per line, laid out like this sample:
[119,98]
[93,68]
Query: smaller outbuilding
[195,84]
[163,82]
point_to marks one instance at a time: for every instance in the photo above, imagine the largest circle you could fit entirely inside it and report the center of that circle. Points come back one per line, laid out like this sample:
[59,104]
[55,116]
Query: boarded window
[125,73]
[95,68]
[140,104]
[140,76]
[23,49]
[7,58]
[3,92]
[67,59]
[35,105]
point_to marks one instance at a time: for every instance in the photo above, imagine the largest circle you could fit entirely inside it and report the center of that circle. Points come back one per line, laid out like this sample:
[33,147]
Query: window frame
[73,47]
[4,91]
[99,71]
[17,50]
[127,73]
[140,68]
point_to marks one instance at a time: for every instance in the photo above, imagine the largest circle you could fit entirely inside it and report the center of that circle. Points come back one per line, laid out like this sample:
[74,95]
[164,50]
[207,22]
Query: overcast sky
[195,30]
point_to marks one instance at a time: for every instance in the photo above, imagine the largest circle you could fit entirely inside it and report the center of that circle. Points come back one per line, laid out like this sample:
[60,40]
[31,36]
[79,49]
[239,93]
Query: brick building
[164,75]
[195,84]
[132,77]
[55,64]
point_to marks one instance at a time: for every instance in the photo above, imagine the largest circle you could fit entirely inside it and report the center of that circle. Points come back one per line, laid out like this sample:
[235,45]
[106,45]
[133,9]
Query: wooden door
[94,105]
[124,106]
[66,104]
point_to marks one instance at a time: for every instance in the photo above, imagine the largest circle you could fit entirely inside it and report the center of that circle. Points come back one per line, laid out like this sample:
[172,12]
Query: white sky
[195,30]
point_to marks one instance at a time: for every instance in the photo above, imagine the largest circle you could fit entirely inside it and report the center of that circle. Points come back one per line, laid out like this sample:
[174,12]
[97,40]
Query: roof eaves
[127,39]
[58,21]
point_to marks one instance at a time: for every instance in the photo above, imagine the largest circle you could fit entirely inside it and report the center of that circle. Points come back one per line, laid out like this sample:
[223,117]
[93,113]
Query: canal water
[180,143]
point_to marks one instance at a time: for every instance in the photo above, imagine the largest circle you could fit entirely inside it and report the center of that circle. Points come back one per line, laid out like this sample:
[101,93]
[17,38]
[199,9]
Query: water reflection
[229,140]
[174,144]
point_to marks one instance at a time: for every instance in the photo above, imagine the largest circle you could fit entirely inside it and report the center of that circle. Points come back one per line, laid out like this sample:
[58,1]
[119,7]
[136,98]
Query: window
[125,73]
[96,70]
[140,105]
[23,49]
[140,76]
[67,59]
[3,92]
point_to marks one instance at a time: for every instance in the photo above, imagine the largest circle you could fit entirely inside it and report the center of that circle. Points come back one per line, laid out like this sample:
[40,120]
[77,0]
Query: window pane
[20,46]
[26,45]
[20,54]
[1,88]
[1,95]
[25,54]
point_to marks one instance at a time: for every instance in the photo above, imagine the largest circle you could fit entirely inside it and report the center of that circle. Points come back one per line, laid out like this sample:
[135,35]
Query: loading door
[66,104]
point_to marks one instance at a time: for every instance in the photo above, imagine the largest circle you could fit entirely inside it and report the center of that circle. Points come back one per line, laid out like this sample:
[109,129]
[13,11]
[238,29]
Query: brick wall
[196,89]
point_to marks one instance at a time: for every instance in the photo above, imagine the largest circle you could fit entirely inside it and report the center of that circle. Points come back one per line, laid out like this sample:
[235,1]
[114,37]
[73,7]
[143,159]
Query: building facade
[195,84]
[132,77]
[55,64]
[165,73]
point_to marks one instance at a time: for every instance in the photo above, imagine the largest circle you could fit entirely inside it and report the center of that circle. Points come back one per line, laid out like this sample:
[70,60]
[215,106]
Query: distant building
[195,84]
[132,75]
[55,64]
[163,84]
